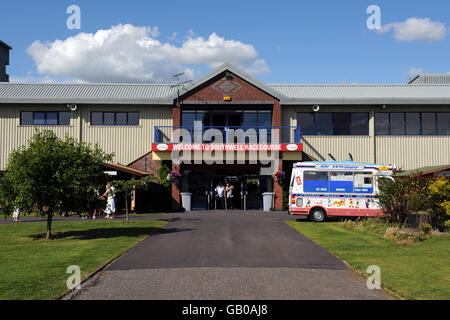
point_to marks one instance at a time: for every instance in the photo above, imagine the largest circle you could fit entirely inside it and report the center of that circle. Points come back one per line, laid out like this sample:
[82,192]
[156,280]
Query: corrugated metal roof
[288,94]
[85,93]
[429,78]
[364,93]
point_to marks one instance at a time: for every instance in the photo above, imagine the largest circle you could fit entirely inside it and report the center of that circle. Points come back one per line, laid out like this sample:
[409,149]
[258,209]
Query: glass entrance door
[252,192]
[200,187]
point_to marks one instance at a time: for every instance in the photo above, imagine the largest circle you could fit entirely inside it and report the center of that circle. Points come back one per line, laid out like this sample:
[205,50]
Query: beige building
[406,125]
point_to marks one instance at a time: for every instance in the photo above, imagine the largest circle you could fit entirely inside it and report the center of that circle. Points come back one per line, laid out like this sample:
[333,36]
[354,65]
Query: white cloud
[416,29]
[126,53]
[415,71]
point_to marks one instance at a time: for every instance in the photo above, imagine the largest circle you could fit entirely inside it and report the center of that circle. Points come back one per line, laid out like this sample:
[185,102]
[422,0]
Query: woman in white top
[110,202]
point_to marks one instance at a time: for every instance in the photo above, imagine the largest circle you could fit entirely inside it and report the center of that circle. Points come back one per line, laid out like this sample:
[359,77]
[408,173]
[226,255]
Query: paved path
[204,255]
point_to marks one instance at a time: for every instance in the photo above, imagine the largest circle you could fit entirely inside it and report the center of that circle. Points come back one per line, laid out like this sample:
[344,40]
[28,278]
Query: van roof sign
[339,167]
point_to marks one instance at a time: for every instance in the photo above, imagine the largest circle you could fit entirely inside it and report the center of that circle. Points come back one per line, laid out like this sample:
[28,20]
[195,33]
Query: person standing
[220,193]
[229,195]
[16,215]
[110,201]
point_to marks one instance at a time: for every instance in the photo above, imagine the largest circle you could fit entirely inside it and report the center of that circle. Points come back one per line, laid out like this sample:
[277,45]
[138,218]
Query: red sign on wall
[226,147]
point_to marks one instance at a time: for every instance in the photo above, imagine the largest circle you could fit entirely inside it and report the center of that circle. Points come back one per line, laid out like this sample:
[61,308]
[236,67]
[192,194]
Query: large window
[333,123]
[338,182]
[46,118]
[412,123]
[115,118]
[227,118]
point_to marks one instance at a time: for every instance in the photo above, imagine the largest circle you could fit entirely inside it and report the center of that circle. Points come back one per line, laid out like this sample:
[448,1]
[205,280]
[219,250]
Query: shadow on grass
[107,233]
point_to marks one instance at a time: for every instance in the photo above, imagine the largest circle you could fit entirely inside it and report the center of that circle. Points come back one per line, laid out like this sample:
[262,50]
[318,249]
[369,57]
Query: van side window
[363,182]
[315,181]
[341,182]
[293,177]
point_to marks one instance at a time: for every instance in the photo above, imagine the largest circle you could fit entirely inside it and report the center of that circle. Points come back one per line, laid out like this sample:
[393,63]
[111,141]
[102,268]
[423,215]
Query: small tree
[52,175]
[126,187]
[161,176]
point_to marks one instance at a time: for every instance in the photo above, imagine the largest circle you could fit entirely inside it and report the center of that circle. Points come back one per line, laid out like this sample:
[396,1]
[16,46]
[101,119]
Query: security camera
[72,107]
[316,108]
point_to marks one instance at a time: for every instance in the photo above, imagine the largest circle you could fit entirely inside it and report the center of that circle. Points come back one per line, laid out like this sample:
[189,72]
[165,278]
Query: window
[428,123]
[341,123]
[360,123]
[341,182]
[412,123]
[443,123]
[324,124]
[363,182]
[40,118]
[397,123]
[306,123]
[382,123]
[114,118]
[338,182]
[336,123]
[315,181]
[227,118]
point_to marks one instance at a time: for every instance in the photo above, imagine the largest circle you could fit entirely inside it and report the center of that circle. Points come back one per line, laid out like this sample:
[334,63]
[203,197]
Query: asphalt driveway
[220,255]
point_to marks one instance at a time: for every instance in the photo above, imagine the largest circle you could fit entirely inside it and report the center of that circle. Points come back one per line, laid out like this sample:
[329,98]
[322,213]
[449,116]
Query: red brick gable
[221,86]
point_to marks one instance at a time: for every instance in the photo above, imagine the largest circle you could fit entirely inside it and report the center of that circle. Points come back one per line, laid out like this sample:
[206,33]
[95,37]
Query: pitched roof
[364,93]
[165,94]
[85,93]
[238,72]
[5,44]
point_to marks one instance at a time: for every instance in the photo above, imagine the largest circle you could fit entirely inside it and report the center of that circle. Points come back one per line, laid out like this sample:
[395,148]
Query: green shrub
[447,226]
[424,228]
[439,190]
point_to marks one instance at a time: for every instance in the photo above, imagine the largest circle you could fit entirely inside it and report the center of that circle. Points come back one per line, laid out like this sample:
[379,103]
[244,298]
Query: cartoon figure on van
[344,184]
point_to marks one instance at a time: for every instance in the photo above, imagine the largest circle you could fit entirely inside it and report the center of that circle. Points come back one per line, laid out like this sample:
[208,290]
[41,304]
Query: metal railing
[230,134]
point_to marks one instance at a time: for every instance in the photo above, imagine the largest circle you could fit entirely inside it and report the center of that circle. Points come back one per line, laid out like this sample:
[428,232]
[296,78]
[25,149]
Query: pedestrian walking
[110,201]
[220,194]
[229,195]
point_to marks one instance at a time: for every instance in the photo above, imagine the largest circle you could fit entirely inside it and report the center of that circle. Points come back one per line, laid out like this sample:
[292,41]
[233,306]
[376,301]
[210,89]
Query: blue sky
[322,41]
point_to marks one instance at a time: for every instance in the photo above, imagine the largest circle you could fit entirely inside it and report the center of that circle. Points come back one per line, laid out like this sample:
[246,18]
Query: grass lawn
[417,271]
[36,269]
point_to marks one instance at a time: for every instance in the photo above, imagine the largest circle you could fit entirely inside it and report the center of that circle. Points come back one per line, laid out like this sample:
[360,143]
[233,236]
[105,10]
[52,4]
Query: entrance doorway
[247,191]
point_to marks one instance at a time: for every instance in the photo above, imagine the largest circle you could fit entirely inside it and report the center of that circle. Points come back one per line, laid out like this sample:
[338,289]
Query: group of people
[110,198]
[225,195]
[110,208]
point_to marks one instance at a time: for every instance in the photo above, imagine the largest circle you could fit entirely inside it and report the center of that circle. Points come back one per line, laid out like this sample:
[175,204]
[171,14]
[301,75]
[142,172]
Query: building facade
[229,127]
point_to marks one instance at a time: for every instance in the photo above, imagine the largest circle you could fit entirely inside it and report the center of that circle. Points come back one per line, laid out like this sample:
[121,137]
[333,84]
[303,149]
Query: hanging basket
[173,176]
[278,176]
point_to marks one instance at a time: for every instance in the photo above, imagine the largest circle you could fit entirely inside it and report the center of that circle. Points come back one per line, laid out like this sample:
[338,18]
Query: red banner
[226,147]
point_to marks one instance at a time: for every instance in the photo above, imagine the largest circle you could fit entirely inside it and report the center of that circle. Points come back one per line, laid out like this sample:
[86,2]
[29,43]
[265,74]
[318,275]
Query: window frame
[436,132]
[350,128]
[114,124]
[45,118]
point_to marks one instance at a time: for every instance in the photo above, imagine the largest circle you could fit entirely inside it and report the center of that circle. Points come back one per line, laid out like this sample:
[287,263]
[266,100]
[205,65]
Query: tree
[126,187]
[53,175]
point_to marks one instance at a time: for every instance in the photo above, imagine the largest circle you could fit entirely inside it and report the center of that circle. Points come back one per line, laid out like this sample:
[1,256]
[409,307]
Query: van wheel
[317,215]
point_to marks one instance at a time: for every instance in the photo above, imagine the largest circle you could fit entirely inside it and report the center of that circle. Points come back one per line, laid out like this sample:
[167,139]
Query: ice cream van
[330,188]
